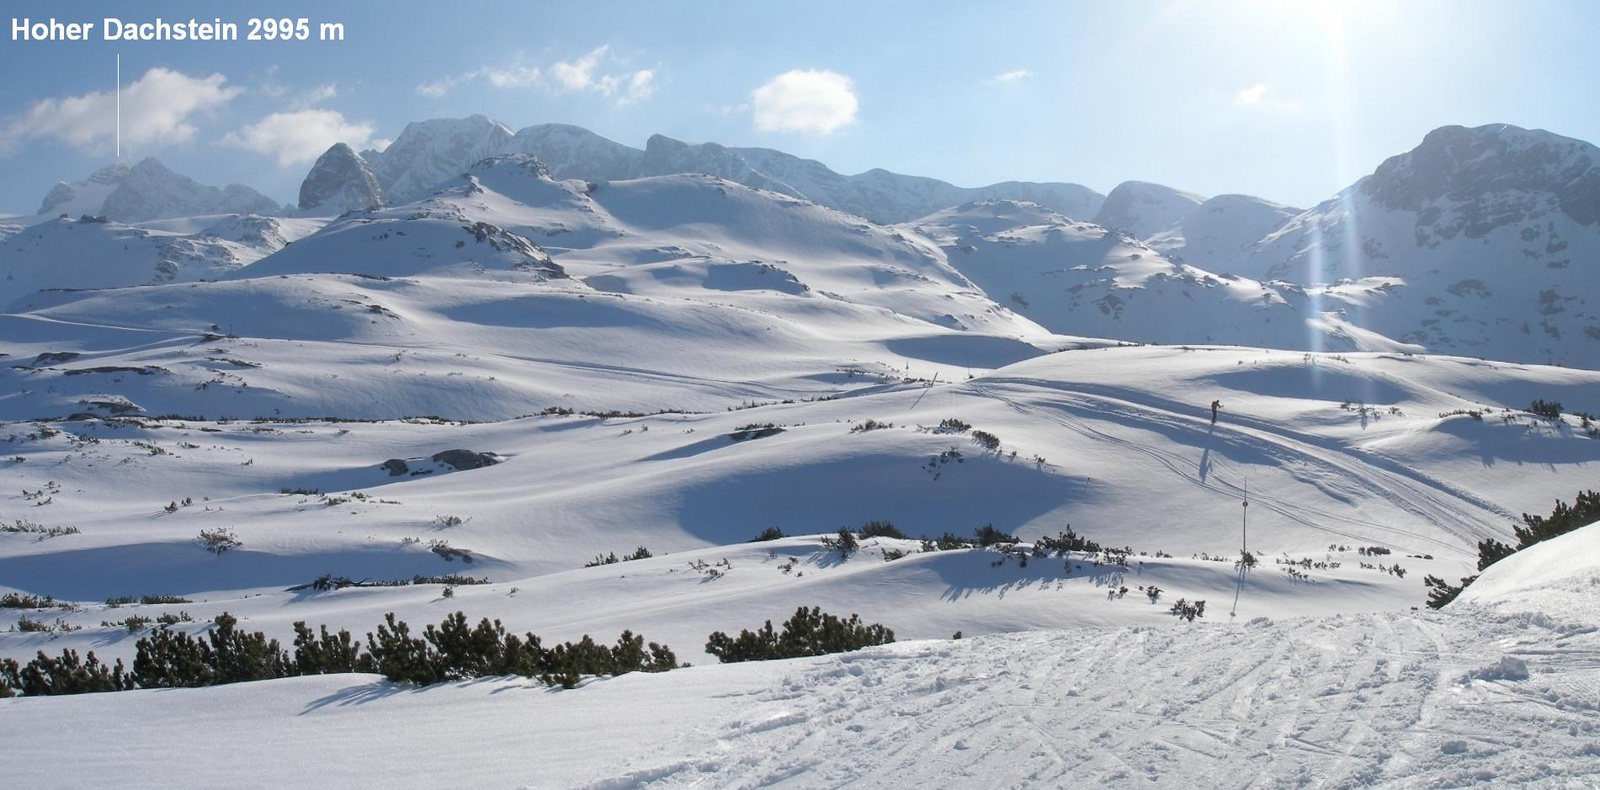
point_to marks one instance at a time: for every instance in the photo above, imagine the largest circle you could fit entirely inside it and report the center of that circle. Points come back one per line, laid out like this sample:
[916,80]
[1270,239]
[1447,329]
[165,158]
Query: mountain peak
[340,181]
[150,190]
[1481,169]
[87,196]
[428,152]
[1145,209]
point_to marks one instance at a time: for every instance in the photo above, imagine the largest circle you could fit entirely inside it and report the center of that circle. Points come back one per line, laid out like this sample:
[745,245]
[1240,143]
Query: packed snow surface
[1399,700]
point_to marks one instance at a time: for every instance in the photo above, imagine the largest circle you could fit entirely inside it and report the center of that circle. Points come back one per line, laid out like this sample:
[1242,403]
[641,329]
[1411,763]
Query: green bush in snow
[809,632]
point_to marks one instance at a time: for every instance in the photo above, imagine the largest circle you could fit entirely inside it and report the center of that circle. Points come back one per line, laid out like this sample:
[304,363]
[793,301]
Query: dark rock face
[340,181]
[466,459]
[396,467]
[1472,181]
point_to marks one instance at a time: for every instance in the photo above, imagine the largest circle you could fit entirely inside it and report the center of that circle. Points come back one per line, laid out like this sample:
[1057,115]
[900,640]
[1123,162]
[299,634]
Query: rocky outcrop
[465,459]
[340,181]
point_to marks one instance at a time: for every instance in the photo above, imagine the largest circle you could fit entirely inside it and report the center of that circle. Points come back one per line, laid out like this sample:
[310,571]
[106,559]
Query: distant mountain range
[149,191]
[1479,241]
[427,152]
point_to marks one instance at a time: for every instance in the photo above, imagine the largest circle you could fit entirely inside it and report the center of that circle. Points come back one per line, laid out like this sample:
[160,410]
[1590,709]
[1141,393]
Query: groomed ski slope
[1485,691]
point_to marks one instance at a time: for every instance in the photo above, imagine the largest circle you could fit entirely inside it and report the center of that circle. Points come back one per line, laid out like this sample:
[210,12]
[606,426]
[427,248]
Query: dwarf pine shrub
[809,632]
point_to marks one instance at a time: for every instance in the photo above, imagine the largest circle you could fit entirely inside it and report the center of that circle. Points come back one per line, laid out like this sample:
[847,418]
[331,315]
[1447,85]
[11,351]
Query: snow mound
[1559,577]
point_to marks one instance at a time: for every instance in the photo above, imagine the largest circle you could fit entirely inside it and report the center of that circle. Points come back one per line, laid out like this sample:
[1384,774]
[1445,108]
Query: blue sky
[1286,100]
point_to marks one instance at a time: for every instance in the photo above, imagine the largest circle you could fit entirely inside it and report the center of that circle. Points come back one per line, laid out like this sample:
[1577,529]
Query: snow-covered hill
[1360,451]
[1130,460]
[83,254]
[696,292]
[1560,574]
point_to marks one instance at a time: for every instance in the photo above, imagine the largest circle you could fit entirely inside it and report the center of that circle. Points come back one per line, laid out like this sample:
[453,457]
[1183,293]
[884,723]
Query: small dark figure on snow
[1216,406]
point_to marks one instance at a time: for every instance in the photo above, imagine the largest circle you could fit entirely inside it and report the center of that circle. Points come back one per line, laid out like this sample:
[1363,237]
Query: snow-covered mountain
[340,181]
[882,196]
[150,191]
[1479,241]
[1217,233]
[575,152]
[84,197]
[429,152]
[1078,278]
[1142,209]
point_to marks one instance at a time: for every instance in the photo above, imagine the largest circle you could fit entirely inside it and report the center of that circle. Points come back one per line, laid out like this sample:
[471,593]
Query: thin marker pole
[1244,525]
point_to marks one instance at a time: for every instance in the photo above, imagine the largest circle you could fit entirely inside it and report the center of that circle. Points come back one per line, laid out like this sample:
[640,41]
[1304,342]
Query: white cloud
[439,87]
[641,86]
[579,75]
[518,76]
[379,143]
[319,94]
[805,100]
[1262,96]
[584,74]
[299,136]
[158,107]
[1013,76]
[1251,95]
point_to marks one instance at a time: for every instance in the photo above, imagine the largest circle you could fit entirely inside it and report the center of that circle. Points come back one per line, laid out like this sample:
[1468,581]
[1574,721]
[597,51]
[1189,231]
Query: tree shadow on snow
[975,573]
[361,694]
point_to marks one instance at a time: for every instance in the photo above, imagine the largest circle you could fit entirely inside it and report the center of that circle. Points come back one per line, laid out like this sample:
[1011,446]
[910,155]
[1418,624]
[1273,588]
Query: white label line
[119,105]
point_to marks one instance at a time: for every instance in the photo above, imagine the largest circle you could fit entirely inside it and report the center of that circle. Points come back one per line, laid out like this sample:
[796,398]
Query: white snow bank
[1557,576]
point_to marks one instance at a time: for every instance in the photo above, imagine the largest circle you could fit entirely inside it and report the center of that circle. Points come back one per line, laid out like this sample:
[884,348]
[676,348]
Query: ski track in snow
[1347,701]
[1289,447]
